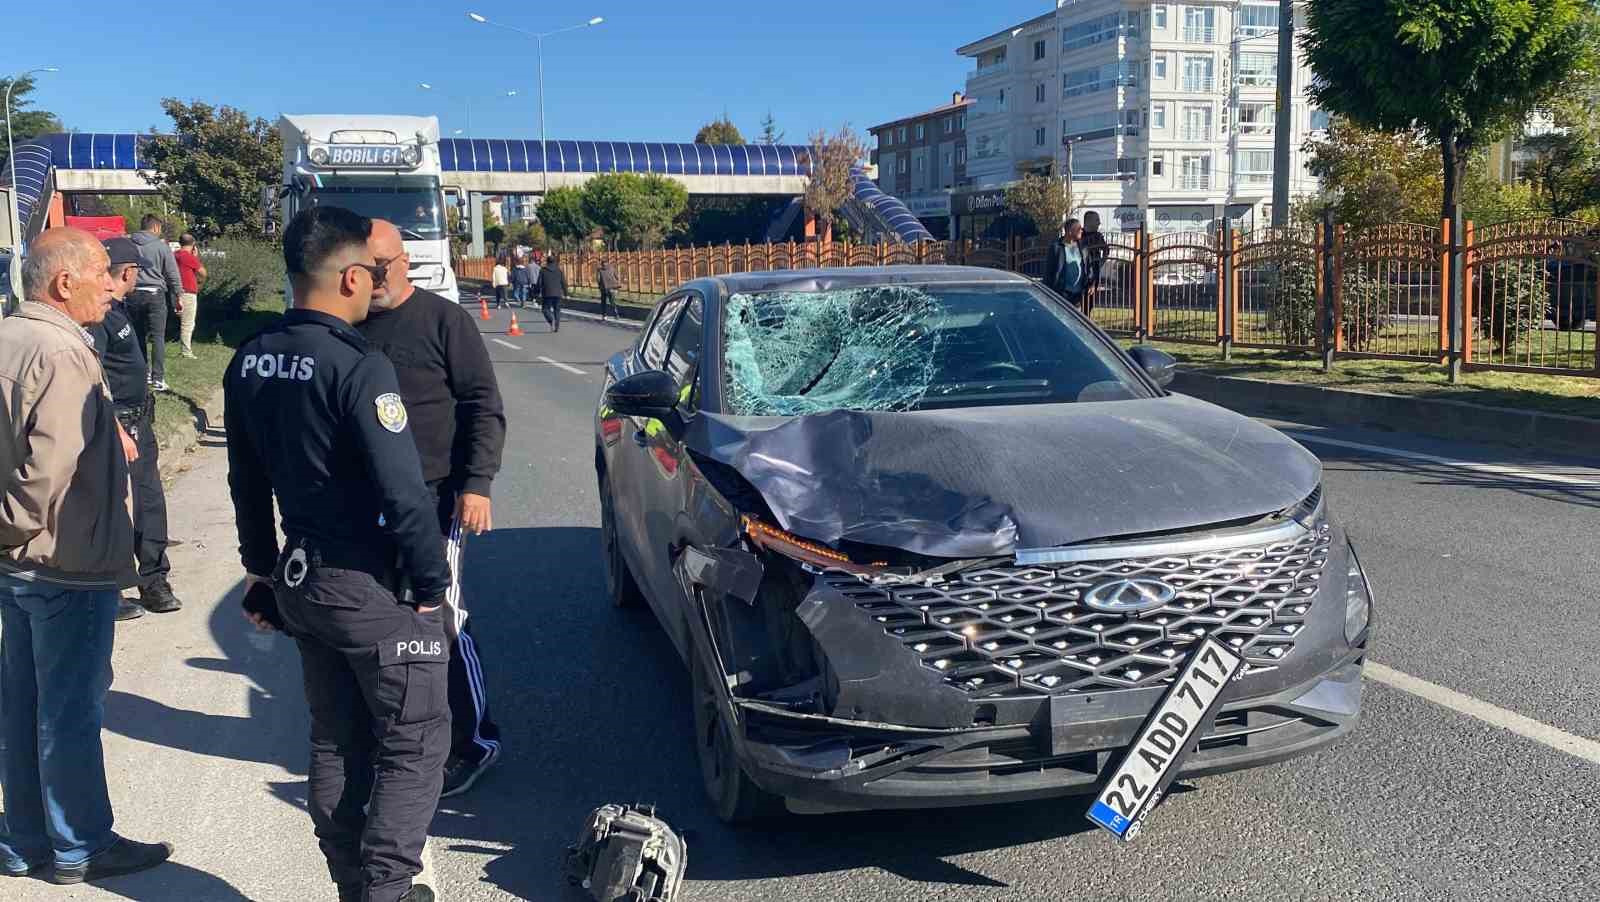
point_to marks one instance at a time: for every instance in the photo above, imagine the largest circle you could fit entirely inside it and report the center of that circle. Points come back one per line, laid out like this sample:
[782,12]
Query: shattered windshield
[911,347]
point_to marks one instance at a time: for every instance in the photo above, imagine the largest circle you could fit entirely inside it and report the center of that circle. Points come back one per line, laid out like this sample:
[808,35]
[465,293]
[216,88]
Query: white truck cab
[385,167]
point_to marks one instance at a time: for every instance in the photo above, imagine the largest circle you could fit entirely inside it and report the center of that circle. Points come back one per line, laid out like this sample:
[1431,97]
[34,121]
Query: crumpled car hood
[987,481]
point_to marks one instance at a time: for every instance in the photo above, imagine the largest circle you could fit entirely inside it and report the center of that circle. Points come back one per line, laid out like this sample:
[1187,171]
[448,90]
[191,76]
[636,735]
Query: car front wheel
[733,795]
[621,587]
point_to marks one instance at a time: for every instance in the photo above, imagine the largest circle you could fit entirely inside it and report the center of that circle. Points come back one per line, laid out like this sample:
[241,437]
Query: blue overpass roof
[36,158]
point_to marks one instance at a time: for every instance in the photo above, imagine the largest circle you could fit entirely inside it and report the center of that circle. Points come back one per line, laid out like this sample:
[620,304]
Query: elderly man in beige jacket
[66,549]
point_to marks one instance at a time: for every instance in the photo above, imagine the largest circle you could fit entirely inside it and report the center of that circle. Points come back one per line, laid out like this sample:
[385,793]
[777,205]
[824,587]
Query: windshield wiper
[820,373]
[411,235]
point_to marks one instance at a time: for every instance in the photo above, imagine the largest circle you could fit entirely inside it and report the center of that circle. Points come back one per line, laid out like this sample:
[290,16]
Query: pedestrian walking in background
[552,288]
[1064,266]
[327,439]
[532,269]
[160,286]
[448,385]
[66,550]
[192,273]
[500,279]
[520,282]
[1095,251]
[610,282]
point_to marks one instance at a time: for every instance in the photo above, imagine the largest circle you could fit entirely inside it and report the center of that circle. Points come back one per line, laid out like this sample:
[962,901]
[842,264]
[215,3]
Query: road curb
[182,437]
[1453,420]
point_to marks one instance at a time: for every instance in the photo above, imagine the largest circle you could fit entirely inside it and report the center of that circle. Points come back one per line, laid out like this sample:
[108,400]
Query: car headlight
[813,554]
[319,155]
[1357,600]
[411,155]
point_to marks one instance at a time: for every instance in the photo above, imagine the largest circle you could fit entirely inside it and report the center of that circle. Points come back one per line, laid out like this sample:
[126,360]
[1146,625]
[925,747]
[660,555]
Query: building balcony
[1199,35]
[1198,85]
[989,70]
[1255,178]
[1195,182]
[1194,133]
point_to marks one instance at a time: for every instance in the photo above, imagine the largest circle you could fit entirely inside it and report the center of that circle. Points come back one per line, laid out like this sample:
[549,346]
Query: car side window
[684,353]
[653,350]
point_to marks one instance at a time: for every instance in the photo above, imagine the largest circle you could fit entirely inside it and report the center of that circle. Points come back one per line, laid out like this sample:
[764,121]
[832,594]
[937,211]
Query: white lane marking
[506,344]
[1494,715]
[1495,469]
[557,363]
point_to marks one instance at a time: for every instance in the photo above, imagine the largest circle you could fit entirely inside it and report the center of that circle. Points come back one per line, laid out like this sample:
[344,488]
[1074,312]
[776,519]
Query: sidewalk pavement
[206,729]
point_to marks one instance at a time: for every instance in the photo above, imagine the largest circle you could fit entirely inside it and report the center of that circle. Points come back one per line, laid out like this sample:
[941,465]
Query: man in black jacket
[449,387]
[552,288]
[117,342]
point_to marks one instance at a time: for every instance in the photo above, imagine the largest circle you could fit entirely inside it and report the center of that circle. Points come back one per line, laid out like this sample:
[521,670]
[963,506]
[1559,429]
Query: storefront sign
[968,203]
[928,204]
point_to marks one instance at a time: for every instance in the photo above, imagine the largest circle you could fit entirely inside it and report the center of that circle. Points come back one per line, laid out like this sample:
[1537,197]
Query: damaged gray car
[925,536]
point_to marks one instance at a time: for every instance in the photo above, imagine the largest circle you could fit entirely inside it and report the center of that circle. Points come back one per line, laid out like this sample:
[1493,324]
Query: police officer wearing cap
[314,417]
[122,359]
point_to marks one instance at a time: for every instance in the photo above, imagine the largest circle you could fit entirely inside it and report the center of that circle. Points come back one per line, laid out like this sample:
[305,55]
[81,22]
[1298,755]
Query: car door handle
[640,439]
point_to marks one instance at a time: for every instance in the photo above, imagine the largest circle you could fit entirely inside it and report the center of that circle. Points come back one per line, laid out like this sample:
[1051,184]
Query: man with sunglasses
[315,418]
[448,384]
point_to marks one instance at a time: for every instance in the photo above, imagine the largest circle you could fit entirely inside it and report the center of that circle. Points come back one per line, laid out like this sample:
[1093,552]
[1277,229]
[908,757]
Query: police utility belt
[301,556]
[130,415]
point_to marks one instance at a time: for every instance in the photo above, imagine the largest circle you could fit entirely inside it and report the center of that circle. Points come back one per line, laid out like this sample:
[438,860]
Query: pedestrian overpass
[49,169]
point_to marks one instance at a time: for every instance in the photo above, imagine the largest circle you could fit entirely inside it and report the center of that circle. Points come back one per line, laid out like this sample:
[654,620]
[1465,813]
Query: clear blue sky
[652,71]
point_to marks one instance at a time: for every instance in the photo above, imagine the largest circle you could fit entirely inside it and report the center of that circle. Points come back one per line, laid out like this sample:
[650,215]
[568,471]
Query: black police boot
[418,893]
[157,597]
[350,892]
[127,610]
[123,857]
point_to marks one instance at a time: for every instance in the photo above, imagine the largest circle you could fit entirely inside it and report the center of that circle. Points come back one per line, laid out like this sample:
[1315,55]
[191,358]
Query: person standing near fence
[160,286]
[609,284]
[1095,251]
[192,272]
[552,288]
[1064,267]
[500,278]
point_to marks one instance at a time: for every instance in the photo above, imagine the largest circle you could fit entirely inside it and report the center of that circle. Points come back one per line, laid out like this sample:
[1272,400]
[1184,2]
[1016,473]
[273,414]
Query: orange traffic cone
[515,329]
[483,308]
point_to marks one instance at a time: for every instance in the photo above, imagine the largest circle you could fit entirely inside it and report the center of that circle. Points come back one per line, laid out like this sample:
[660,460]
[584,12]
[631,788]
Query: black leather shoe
[157,598]
[125,856]
[127,610]
[418,893]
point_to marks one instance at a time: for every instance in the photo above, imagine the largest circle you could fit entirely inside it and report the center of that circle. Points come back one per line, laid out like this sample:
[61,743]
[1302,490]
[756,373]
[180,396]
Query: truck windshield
[413,205]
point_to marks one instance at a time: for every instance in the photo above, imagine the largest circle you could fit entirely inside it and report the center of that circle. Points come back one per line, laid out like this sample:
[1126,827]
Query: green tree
[770,133]
[1463,71]
[26,123]
[132,208]
[1565,168]
[833,160]
[1042,199]
[1371,177]
[636,211]
[562,214]
[214,165]
[719,131]
[726,220]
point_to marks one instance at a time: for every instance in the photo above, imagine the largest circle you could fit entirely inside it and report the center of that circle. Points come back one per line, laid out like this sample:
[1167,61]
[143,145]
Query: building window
[1254,167]
[1257,20]
[1258,69]
[922,164]
[1196,124]
[1155,164]
[1038,50]
[1158,116]
[1130,122]
[921,131]
[1158,17]
[900,135]
[1097,78]
[961,154]
[1038,93]
[1256,118]
[1195,172]
[1319,120]
[947,159]
[1158,67]
[905,166]
[949,125]
[1199,24]
[1087,34]
[961,122]
[1038,137]
[1199,72]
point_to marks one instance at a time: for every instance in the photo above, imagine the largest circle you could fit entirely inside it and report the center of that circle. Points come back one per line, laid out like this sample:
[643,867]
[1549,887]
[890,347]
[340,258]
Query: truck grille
[1023,630]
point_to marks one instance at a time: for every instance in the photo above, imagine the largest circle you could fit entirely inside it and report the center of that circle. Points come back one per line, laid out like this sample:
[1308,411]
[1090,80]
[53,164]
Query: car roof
[846,277]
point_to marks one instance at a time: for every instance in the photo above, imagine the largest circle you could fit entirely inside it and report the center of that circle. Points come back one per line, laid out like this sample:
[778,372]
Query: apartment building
[1170,109]
[921,158]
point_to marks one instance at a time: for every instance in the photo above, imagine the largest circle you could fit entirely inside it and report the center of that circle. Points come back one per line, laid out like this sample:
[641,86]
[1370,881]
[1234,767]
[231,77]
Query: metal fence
[1526,300]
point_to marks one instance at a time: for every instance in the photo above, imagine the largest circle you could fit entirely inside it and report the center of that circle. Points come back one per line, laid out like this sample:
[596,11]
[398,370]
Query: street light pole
[1282,153]
[538,38]
[11,160]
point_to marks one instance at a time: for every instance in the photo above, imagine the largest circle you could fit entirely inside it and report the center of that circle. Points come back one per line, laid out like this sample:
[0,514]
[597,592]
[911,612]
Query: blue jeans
[55,670]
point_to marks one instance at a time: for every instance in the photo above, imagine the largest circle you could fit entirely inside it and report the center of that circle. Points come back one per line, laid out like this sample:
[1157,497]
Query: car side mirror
[652,394]
[1157,364]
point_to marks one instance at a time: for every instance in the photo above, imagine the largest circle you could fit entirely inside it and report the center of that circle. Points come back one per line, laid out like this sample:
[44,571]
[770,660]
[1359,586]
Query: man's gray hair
[48,259]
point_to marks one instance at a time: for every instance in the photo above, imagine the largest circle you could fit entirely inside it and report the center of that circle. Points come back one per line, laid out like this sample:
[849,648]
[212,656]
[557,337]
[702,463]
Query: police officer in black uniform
[315,418]
[122,358]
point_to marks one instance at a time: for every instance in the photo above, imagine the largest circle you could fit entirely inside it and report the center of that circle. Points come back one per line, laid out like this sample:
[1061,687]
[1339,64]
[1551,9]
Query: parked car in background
[925,536]
[1571,274]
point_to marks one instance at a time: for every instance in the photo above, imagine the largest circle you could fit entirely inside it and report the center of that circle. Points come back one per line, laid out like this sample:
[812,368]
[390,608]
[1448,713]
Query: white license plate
[1164,740]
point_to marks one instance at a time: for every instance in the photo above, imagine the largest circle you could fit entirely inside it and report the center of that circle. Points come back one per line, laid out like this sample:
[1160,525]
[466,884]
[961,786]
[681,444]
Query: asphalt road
[1486,584]
[1478,783]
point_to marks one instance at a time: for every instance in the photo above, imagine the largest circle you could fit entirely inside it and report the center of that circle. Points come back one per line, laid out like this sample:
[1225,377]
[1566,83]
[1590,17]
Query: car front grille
[1024,630]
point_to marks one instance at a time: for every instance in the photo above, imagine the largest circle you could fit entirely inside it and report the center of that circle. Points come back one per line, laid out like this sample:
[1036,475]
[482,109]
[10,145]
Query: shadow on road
[169,882]
[275,726]
[593,708]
